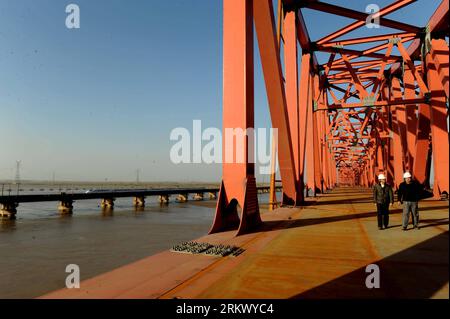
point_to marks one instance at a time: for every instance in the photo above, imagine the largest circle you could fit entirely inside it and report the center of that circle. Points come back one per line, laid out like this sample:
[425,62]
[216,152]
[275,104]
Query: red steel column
[316,143]
[324,143]
[271,65]
[401,121]
[439,131]
[411,118]
[380,163]
[390,178]
[304,102]
[291,84]
[238,188]
[396,141]
[422,144]
[320,136]
[309,146]
[439,53]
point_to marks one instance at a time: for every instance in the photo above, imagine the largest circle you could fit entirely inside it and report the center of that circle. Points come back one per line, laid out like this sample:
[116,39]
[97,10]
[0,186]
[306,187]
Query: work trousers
[383,214]
[413,208]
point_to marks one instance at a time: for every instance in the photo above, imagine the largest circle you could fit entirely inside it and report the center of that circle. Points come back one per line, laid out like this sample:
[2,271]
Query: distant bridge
[10,203]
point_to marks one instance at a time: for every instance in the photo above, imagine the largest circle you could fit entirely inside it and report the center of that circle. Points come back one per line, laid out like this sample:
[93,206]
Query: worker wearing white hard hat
[382,197]
[408,195]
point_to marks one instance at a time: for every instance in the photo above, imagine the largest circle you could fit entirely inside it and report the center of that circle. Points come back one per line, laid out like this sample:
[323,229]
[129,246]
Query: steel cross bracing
[362,112]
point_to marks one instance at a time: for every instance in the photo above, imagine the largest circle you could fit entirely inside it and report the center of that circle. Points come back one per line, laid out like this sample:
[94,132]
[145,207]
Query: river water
[36,247]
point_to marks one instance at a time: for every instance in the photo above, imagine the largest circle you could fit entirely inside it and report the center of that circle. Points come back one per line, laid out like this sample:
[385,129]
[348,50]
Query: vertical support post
[397,140]
[272,193]
[139,201]
[380,162]
[291,84]
[316,150]
[238,193]
[439,53]
[422,144]
[8,210]
[305,101]
[319,147]
[400,112]
[390,178]
[107,203]
[271,65]
[310,162]
[439,130]
[212,195]
[411,118]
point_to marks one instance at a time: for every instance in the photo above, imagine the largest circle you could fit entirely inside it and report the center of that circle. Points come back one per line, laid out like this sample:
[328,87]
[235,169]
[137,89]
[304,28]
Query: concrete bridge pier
[65,207]
[183,198]
[107,203]
[212,195]
[164,199]
[8,210]
[198,196]
[139,202]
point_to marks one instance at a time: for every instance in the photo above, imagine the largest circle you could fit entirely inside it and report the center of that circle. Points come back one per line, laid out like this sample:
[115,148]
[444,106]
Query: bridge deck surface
[318,251]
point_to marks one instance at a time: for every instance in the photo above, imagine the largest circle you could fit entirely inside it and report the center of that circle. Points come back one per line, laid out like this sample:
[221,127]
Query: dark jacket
[383,195]
[411,192]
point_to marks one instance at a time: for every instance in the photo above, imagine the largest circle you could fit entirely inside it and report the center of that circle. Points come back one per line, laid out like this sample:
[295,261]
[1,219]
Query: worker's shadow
[417,272]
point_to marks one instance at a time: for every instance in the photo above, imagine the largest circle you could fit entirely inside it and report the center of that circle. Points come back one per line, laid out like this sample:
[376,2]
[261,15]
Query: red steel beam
[304,97]
[411,119]
[439,53]
[396,142]
[238,188]
[422,144]
[439,130]
[438,22]
[375,38]
[374,104]
[304,39]
[310,163]
[407,59]
[363,16]
[356,53]
[291,84]
[271,65]
[401,124]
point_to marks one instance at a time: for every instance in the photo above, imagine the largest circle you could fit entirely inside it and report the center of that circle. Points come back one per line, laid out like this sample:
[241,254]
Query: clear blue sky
[100,102]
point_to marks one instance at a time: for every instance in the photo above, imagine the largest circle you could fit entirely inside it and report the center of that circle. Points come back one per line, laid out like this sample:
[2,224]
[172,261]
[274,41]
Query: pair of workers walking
[407,195]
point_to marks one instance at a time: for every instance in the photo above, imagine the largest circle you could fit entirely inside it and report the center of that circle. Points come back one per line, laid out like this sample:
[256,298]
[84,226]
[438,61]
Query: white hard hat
[407,175]
[381,176]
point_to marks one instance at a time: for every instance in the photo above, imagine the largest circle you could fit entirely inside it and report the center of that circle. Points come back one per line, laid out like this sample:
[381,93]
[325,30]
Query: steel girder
[342,122]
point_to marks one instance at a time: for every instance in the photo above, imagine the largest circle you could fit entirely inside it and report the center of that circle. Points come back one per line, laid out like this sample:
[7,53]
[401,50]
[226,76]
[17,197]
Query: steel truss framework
[391,117]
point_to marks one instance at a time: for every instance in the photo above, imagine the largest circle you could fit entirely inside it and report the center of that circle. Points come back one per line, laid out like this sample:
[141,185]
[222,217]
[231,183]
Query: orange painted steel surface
[276,96]
[238,189]
[318,251]
[382,109]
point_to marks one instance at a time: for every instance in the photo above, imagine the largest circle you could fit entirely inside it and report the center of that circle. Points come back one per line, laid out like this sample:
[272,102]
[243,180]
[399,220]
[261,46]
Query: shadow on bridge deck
[318,251]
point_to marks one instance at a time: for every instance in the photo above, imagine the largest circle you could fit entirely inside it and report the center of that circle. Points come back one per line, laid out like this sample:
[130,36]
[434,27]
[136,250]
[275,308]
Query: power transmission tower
[138,171]
[17,179]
